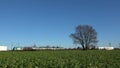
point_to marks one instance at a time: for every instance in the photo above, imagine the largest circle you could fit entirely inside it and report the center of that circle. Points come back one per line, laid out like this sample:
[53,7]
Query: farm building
[3,48]
[41,48]
[36,48]
[101,48]
[105,48]
[28,48]
[18,48]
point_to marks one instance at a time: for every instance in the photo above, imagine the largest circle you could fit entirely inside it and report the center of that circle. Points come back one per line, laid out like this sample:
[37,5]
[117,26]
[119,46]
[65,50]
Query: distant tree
[47,46]
[57,47]
[53,46]
[85,35]
[79,48]
[92,47]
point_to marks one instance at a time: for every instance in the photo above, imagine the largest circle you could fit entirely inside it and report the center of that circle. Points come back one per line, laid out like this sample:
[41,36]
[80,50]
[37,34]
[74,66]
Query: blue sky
[50,22]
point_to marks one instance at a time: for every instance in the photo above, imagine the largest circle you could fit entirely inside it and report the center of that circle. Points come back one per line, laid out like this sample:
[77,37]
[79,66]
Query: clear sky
[50,22]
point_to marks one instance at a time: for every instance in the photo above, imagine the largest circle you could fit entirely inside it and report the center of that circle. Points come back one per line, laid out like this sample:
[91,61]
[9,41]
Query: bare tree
[85,35]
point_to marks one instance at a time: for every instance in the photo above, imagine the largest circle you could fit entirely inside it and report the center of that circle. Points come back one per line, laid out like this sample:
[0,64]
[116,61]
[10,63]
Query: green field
[61,59]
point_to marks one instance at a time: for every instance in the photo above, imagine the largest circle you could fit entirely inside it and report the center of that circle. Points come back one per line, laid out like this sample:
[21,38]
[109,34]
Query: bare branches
[85,35]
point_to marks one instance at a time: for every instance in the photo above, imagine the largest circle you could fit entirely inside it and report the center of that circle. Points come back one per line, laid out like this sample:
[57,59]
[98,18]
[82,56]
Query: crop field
[60,59]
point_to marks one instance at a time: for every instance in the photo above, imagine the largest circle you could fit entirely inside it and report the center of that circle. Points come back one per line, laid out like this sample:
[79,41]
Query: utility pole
[18,44]
[110,44]
[11,46]
[119,45]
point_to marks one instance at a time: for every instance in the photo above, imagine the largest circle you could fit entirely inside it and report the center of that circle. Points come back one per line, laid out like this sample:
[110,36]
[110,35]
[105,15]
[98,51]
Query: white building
[106,48]
[109,48]
[3,48]
[101,48]
[18,48]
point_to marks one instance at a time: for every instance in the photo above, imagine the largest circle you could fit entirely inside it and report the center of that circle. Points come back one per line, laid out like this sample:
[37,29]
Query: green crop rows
[60,59]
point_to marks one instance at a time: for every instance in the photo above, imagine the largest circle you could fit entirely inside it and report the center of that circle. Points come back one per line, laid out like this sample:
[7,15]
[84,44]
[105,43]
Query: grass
[61,59]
